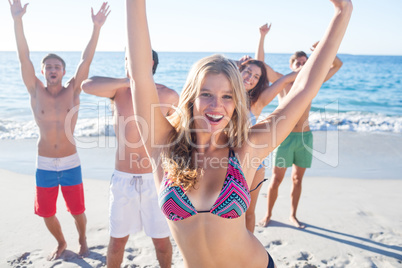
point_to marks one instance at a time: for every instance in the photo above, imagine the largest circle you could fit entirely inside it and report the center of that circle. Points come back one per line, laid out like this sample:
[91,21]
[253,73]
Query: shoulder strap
[231,152]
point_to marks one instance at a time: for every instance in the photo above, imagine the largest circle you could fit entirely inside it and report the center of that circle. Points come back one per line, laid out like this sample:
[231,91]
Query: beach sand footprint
[21,260]
[376,236]
[342,261]
[96,258]
[304,256]
[26,259]
[364,213]
[273,244]
[133,253]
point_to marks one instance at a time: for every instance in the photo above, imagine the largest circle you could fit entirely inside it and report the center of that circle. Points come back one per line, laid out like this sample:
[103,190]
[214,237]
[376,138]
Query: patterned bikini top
[232,202]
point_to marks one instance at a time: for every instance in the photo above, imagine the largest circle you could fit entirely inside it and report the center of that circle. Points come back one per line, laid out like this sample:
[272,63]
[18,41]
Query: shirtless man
[293,151]
[57,162]
[133,196]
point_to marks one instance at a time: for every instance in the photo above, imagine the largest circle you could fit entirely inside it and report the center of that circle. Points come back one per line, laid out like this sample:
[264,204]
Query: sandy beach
[350,204]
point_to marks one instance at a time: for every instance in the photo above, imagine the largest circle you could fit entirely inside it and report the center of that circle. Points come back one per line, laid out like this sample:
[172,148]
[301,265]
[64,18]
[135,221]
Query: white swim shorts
[134,205]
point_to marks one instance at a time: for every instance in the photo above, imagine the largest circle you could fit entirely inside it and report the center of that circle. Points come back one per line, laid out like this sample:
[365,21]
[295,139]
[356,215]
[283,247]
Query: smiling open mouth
[214,117]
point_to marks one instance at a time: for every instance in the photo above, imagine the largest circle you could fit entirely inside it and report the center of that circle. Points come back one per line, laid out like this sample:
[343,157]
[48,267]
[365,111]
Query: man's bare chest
[48,107]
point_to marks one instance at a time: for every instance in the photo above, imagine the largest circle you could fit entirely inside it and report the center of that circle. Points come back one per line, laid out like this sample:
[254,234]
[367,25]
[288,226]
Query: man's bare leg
[250,213]
[297,177]
[53,225]
[115,251]
[278,174]
[81,224]
[164,251]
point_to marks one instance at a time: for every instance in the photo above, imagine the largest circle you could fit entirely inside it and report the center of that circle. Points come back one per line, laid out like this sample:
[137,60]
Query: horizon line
[221,52]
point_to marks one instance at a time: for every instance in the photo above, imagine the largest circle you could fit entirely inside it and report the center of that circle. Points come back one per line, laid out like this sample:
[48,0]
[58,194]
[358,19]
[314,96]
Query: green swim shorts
[295,149]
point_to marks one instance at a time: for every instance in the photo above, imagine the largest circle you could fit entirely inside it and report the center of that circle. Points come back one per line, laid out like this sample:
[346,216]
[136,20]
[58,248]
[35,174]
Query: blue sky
[209,25]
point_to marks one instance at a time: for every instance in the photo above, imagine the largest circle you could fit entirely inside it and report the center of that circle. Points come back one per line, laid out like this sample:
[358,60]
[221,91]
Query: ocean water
[364,96]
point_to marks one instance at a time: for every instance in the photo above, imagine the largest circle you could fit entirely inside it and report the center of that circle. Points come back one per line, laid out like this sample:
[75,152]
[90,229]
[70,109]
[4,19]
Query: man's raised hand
[17,11]
[100,17]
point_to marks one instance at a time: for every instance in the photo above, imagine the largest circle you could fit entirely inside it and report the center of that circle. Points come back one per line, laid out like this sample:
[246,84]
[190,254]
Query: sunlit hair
[254,93]
[296,55]
[177,157]
[53,56]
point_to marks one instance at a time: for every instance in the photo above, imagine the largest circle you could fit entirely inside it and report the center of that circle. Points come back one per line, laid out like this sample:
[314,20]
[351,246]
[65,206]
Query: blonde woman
[209,154]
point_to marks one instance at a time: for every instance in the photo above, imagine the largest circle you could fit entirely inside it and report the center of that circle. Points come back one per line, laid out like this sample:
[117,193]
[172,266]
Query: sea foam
[103,126]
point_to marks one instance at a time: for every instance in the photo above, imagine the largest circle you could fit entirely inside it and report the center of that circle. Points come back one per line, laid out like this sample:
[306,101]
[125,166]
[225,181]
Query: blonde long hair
[176,158]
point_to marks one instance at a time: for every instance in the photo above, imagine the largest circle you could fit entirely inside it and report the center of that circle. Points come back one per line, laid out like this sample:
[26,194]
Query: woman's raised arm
[144,94]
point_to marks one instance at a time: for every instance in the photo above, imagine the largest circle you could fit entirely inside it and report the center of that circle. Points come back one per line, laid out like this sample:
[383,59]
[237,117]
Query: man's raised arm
[27,68]
[336,65]
[104,86]
[83,68]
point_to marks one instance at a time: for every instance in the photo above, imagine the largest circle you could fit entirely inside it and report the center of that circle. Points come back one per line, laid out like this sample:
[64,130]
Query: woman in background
[259,95]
